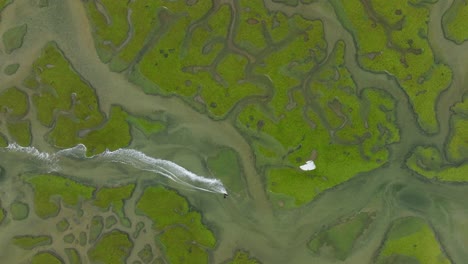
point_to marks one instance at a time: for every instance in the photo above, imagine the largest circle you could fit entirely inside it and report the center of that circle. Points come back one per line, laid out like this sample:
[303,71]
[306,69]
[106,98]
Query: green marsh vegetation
[457,147]
[362,125]
[428,161]
[183,235]
[411,240]
[68,104]
[73,256]
[46,189]
[20,132]
[3,141]
[106,198]
[29,242]
[392,38]
[173,219]
[454,22]
[196,68]
[123,29]
[113,247]
[13,108]
[4,3]
[45,257]
[110,26]
[146,125]
[14,102]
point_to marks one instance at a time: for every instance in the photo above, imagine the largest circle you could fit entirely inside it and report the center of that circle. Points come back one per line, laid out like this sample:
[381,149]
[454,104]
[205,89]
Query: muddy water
[244,220]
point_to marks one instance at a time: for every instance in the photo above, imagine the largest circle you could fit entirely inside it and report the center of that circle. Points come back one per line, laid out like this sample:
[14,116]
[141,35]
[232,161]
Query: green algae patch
[19,210]
[47,187]
[29,242]
[454,22]
[147,126]
[20,132]
[46,257]
[11,69]
[393,39]
[412,238]
[341,237]
[73,256]
[13,38]
[243,257]
[428,162]
[114,197]
[226,167]
[113,247]
[336,124]
[14,102]
[184,236]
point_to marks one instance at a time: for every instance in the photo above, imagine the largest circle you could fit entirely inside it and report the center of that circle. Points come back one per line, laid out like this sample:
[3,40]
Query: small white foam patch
[50,159]
[308,166]
[130,157]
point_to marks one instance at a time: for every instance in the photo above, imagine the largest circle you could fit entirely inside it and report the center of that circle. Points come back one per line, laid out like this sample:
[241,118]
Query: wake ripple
[130,157]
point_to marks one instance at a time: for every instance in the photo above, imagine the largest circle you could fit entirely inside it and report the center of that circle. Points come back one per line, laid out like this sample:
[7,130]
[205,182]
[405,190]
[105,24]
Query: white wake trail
[49,159]
[131,157]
